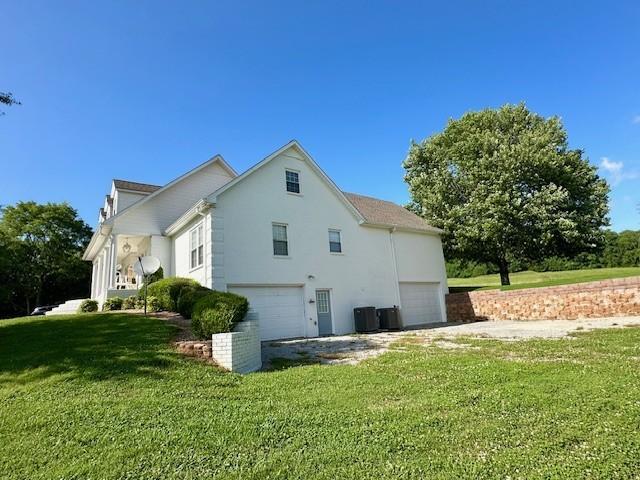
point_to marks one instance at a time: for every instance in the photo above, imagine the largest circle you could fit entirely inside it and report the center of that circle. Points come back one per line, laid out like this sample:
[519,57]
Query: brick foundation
[607,298]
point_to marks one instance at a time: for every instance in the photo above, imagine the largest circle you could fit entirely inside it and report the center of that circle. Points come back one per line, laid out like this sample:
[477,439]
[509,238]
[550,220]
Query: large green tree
[40,255]
[505,186]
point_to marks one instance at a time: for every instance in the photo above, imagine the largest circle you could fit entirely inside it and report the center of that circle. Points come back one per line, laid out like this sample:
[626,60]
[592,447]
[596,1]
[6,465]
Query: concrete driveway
[352,349]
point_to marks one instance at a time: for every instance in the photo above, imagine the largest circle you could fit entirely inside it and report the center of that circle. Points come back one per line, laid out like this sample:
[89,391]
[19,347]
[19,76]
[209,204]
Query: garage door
[420,303]
[280,310]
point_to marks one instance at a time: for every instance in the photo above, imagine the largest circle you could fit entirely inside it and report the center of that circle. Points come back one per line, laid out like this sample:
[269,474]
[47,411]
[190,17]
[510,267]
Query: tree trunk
[503,265]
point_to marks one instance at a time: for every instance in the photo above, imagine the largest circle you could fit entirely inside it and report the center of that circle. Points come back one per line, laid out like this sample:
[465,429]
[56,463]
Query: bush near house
[88,306]
[167,291]
[129,303]
[113,303]
[217,312]
[188,298]
[153,304]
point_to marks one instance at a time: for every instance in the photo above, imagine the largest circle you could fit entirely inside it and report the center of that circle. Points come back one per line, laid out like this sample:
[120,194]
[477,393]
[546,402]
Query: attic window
[293,181]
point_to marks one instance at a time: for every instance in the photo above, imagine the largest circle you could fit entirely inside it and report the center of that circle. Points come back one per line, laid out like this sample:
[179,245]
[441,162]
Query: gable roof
[305,157]
[384,213]
[215,159]
[135,186]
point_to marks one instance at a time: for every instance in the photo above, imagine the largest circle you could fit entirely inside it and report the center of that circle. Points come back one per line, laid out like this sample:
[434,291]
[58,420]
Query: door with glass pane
[323,305]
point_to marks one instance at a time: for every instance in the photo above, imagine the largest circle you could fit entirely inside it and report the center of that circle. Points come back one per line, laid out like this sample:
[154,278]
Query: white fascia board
[98,238]
[398,228]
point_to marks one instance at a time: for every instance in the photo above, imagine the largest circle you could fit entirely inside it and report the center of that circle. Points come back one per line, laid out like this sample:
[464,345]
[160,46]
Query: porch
[113,273]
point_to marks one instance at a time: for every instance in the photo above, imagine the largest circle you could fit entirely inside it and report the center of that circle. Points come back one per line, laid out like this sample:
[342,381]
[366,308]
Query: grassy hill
[105,396]
[541,279]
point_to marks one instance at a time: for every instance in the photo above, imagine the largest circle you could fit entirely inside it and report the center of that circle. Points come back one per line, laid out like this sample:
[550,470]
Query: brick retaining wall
[616,297]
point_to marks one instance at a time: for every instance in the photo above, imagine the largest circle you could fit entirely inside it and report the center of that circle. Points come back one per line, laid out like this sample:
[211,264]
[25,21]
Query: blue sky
[146,90]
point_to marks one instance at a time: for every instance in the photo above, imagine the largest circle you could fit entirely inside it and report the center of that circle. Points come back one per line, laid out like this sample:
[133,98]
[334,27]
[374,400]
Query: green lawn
[541,279]
[103,396]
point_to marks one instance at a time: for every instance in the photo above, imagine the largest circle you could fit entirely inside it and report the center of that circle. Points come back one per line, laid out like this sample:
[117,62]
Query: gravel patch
[352,349]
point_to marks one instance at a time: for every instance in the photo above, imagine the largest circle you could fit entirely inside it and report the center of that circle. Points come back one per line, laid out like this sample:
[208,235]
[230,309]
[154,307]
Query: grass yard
[104,396]
[541,279]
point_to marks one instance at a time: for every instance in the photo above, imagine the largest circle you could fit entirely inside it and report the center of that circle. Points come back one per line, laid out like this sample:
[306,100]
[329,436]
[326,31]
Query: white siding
[122,200]
[364,274]
[181,252]
[156,214]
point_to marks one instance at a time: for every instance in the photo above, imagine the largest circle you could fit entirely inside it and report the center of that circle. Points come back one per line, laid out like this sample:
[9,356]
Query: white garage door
[280,310]
[420,303]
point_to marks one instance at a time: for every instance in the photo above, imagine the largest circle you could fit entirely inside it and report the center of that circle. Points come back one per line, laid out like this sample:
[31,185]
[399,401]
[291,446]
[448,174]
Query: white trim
[399,228]
[286,233]
[297,172]
[305,157]
[195,228]
[339,232]
[211,161]
[199,208]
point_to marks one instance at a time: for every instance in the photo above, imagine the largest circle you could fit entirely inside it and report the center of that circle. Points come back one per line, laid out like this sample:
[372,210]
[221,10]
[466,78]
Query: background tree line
[618,250]
[41,248]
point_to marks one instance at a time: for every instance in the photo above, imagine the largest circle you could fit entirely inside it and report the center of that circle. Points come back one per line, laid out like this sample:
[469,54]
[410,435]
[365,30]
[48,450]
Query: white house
[282,234]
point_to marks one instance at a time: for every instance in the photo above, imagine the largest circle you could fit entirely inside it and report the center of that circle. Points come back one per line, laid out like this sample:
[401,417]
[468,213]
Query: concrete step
[70,306]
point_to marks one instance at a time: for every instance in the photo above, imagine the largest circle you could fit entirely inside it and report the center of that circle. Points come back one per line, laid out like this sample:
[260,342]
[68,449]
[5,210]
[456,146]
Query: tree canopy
[40,255]
[504,185]
[8,99]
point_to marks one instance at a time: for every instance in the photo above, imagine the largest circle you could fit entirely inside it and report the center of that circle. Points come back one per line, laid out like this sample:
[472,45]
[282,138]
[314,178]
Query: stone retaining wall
[616,297]
[239,351]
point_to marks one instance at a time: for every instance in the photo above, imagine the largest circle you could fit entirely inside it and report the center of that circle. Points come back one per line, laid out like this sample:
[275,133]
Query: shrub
[88,306]
[153,304]
[113,303]
[129,303]
[167,291]
[188,298]
[158,275]
[217,312]
[140,302]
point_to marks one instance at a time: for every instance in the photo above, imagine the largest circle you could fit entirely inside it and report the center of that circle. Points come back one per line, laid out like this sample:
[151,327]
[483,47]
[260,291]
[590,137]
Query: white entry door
[280,310]
[420,303]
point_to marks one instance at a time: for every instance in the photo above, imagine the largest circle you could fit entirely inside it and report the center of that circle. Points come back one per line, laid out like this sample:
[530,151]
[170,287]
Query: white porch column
[94,271]
[113,262]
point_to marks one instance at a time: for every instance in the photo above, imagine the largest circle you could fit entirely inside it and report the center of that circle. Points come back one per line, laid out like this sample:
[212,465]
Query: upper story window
[293,181]
[335,241]
[280,242]
[196,242]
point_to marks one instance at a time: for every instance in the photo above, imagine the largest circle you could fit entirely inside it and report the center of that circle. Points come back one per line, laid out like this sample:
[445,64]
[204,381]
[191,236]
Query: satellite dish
[146,265]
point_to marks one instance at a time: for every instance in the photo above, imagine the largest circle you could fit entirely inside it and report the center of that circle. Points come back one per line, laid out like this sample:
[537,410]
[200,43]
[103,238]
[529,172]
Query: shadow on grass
[94,346]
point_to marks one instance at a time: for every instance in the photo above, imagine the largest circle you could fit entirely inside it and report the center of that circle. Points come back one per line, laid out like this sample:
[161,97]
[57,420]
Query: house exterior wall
[419,258]
[122,200]
[154,216]
[180,252]
[363,274]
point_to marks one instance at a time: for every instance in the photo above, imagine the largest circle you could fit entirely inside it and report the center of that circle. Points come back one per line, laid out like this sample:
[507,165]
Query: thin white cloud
[636,119]
[616,171]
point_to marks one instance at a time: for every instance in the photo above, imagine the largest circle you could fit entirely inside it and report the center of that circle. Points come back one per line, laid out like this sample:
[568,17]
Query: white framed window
[196,246]
[322,297]
[335,241]
[280,241]
[292,179]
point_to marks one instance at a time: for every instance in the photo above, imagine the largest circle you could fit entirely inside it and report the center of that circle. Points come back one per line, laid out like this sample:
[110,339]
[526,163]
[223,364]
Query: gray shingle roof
[382,212]
[135,186]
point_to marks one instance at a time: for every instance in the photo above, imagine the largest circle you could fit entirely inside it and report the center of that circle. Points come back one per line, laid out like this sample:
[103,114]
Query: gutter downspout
[395,265]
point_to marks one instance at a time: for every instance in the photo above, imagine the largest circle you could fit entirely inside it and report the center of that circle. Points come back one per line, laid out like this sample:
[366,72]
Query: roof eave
[427,230]
[96,241]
